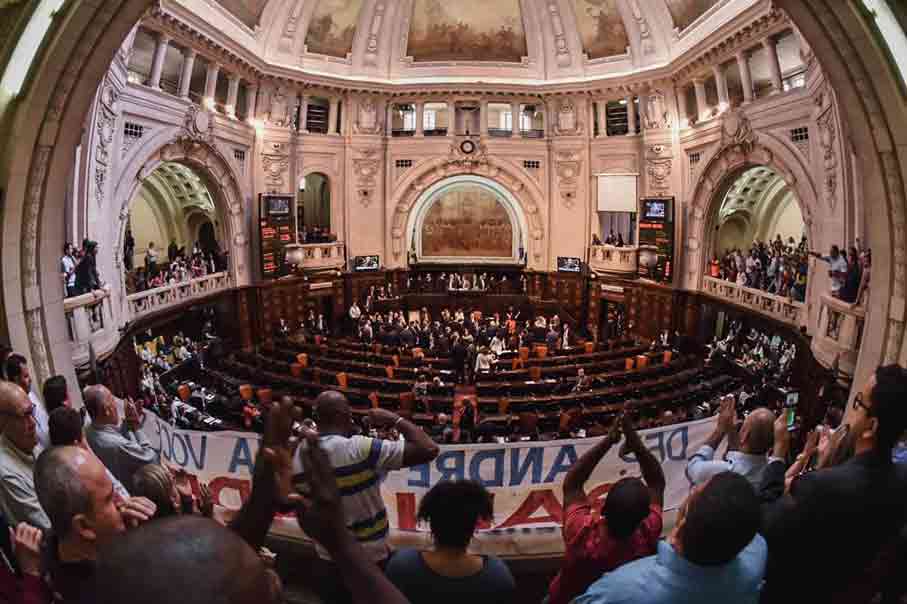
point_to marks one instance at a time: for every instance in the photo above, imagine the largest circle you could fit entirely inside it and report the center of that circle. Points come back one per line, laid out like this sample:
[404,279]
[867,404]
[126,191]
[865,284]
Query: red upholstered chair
[303,359]
[396,359]
[318,340]
[642,361]
[245,392]
[666,357]
[535,373]
[342,380]
[418,353]
[524,353]
[296,370]
[516,363]
[503,406]
[377,348]
[184,392]
[407,400]
[373,398]
[265,396]
[589,347]
[541,351]
[389,370]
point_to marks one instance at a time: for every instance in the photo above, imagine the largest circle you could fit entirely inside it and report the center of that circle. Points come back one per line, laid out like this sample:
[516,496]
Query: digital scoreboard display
[276,230]
[656,229]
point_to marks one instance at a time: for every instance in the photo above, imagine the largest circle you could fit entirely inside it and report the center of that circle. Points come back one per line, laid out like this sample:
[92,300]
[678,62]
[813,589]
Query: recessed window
[532,164]
[798,135]
[404,163]
[133,130]
[239,155]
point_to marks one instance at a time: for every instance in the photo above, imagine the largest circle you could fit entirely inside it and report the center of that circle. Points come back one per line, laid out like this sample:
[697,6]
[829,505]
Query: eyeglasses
[858,402]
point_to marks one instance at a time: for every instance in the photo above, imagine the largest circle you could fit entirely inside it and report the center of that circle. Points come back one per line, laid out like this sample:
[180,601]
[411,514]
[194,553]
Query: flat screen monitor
[569,264]
[366,263]
[278,206]
[655,209]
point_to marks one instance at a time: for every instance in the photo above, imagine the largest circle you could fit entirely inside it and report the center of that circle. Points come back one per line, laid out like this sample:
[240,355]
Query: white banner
[525,479]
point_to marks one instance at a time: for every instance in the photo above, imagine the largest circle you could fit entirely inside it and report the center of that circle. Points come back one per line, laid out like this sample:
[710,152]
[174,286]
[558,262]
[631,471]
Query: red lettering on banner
[226,482]
[406,511]
[537,500]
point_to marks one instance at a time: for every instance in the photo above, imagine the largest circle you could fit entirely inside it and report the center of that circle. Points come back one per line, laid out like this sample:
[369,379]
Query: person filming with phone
[746,449]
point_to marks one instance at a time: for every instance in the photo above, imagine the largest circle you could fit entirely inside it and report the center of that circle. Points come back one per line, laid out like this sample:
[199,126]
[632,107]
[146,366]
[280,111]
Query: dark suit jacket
[827,531]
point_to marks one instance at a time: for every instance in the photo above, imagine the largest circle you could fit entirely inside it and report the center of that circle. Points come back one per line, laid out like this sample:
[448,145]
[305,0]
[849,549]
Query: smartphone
[790,417]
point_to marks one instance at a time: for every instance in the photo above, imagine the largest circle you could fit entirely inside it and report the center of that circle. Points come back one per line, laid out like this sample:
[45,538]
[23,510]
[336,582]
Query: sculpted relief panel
[601,28]
[467,30]
[467,221]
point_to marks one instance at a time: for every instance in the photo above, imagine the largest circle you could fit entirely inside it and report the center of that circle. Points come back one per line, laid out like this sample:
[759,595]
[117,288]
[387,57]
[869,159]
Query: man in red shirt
[628,527]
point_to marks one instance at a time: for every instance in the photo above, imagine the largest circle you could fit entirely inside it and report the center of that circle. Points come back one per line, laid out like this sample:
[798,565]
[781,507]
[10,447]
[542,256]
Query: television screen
[568,264]
[655,209]
[278,205]
[366,263]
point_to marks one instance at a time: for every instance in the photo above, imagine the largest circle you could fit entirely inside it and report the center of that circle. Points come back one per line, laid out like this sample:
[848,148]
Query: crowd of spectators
[756,350]
[178,267]
[95,518]
[316,235]
[775,267]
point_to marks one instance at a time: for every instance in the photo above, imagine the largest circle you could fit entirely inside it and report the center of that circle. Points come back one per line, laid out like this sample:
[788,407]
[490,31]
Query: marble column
[746,78]
[702,107]
[211,83]
[631,116]
[774,66]
[721,85]
[186,78]
[157,63]
[232,94]
[602,106]
[303,113]
[642,107]
[332,116]
[515,120]
[483,118]
[451,118]
[251,102]
[420,118]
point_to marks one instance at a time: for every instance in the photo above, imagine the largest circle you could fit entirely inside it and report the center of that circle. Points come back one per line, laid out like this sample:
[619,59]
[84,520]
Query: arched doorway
[756,219]
[313,206]
[167,216]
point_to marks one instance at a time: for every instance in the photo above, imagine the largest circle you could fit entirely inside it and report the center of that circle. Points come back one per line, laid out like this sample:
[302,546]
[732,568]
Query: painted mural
[685,12]
[467,30]
[467,220]
[333,27]
[601,28]
[247,11]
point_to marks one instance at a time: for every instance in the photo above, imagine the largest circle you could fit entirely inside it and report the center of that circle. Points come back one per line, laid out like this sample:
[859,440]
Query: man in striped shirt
[360,464]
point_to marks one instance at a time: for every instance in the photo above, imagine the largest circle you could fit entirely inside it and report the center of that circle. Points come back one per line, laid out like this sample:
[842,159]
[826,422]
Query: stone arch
[720,171]
[222,183]
[526,192]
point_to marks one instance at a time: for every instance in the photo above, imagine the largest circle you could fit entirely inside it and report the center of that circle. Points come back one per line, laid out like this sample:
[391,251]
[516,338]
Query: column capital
[698,81]
[233,77]
[189,53]
[769,42]
[742,55]
[718,69]
[164,38]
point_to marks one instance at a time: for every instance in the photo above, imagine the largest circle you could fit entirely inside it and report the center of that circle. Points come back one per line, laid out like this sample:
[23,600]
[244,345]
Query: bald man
[18,499]
[85,512]
[121,446]
[746,451]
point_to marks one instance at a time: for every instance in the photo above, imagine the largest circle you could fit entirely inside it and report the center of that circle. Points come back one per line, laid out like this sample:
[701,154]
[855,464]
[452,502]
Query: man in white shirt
[68,270]
[17,372]
[837,268]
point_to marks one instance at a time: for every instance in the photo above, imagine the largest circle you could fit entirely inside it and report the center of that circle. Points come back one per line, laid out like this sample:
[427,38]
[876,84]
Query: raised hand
[727,416]
[205,501]
[26,542]
[320,513]
[136,510]
[279,447]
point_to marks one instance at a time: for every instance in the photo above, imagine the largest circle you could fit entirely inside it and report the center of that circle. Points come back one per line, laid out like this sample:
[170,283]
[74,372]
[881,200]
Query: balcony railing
[840,333]
[619,261]
[321,256]
[778,307]
[89,320]
[159,298]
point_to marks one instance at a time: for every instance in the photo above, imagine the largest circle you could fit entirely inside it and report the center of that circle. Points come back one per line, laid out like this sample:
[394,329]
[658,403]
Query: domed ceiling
[462,40]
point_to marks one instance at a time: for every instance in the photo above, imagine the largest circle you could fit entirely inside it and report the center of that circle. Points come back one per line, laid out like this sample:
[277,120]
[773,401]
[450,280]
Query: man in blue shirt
[713,555]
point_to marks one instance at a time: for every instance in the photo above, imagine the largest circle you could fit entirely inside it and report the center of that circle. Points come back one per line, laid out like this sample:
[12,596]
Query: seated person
[448,573]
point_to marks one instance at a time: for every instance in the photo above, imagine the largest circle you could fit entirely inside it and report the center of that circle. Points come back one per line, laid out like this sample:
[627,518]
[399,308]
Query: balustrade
[320,256]
[783,309]
[159,298]
[840,333]
[89,320]
[620,261]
